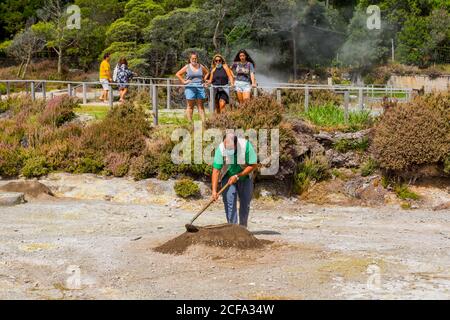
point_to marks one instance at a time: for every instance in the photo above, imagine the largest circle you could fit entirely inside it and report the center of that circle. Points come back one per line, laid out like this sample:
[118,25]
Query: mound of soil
[225,236]
[32,189]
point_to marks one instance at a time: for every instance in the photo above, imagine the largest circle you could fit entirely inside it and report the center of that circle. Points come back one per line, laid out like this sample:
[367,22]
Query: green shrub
[447,165]
[186,188]
[4,105]
[345,145]
[88,165]
[11,161]
[368,167]
[411,134]
[402,191]
[312,169]
[35,166]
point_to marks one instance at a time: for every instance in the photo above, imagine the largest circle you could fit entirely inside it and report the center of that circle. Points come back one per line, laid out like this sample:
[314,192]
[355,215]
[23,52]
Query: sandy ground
[73,249]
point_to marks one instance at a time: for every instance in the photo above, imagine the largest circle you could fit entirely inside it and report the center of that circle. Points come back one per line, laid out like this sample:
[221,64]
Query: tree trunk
[216,31]
[26,66]
[60,61]
[19,72]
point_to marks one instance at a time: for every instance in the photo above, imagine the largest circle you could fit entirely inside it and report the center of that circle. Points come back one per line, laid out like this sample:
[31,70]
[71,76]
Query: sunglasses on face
[218,60]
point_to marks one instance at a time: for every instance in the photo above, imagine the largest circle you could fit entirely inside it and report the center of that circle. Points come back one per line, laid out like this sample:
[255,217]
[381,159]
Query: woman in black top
[222,77]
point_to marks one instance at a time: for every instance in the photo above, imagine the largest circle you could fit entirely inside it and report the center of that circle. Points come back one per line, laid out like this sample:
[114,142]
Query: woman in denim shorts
[192,76]
[244,72]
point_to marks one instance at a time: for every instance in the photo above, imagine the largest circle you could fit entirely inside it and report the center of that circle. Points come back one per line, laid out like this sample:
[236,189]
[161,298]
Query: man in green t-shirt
[234,160]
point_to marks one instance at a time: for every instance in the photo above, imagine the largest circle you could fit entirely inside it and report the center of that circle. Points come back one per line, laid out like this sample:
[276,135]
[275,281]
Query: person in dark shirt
[221,77]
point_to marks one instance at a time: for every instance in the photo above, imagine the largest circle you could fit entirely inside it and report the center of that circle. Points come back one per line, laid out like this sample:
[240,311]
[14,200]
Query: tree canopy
[288,34]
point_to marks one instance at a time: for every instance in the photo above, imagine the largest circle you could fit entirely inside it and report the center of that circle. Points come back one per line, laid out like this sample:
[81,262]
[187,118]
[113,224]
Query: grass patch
[368,167]
[402,191]
[99,112]
[331,117]
[345,145]
[312,169]
[177,118]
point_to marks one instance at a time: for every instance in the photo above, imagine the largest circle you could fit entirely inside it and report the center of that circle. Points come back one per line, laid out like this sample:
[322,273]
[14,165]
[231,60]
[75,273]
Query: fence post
[8,90]
[111,96]
[230,97]
[361,99]
[84,93]
[151,88]
[211,99]
[69,89]
[346,103]
[44,90]
[168,94]
[279,96]
[306,98]
[33,91]
[255,92]
[155,103]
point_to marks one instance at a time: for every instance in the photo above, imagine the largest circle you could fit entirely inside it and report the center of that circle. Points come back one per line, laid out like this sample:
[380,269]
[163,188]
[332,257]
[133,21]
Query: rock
[330,138]
[33,189]
[367,189]
[271,188]
[337,159]
[11,198]
[359,135]
[83,119]
[8,114]
[443,206]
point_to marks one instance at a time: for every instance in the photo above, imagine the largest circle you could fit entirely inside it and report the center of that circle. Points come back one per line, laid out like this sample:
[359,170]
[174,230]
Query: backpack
[116,71]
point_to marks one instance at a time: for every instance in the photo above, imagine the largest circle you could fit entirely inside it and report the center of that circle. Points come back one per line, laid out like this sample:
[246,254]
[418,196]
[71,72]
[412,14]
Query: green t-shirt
[234,167]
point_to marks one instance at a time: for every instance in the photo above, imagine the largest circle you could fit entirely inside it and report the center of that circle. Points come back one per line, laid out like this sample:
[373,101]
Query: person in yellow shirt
[105,76]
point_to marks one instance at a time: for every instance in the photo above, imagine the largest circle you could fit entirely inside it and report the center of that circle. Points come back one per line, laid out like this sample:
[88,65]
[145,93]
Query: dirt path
[68,249]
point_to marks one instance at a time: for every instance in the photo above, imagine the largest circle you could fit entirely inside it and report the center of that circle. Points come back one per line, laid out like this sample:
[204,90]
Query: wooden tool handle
[209,203]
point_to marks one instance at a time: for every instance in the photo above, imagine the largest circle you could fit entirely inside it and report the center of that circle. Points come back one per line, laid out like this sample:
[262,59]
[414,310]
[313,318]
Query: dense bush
[413,134]
[186,188]
[11,160]
[35,166]
[262,112]
[123,129]
[59,110]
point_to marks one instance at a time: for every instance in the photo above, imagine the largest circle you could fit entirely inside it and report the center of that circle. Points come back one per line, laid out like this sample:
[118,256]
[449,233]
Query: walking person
[244,72]
[192,76]
[105,77]
[234,161]
[124,75]
[222,77]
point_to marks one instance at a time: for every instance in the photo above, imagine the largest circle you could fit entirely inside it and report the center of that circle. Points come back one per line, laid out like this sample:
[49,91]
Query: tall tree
[54,28]
[24,46]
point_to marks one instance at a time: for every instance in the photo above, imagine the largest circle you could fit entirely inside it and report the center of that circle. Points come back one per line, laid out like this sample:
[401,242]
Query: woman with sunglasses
[221,77]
